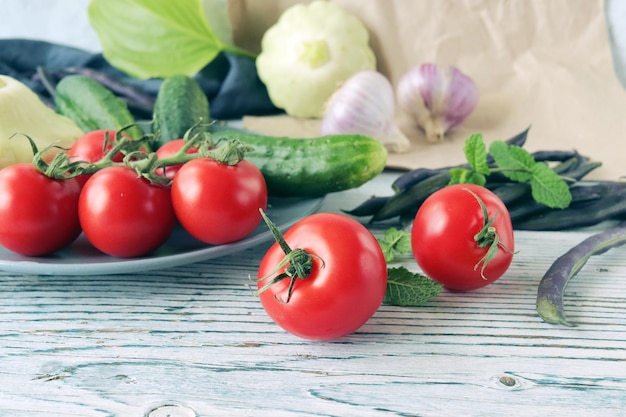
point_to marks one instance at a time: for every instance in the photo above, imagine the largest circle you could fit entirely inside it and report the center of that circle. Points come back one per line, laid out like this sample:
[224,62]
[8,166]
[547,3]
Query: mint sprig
[405,288]
[518,165]
[514,162]
[547,186]
[466,176]
[395,242]
[476,154]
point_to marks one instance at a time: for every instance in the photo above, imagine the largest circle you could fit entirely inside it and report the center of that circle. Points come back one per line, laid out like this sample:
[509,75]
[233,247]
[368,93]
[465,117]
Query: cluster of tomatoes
[322,280]
[122,213]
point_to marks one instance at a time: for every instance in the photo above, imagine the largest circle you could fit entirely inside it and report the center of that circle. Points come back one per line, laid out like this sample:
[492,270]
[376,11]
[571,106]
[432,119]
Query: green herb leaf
[395,241]
[548,188]
[405,288]
[147,38]
[476,154]
[387,250]
[517,164]
[466,176]
[514,162]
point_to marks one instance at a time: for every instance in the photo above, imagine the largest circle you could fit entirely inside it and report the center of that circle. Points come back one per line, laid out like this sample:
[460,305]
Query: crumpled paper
[537,63]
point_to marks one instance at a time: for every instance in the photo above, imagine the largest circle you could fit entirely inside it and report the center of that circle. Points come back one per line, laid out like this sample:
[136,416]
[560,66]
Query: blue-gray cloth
[230,81]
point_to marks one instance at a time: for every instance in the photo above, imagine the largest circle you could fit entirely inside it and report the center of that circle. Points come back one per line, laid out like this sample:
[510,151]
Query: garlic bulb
[365,104]
[438,98]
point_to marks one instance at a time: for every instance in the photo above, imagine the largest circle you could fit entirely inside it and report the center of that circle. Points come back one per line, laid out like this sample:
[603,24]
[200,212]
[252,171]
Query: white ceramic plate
[81,258]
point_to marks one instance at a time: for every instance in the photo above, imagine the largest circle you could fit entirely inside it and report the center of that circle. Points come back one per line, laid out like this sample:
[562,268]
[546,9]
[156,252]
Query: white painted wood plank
[195,336]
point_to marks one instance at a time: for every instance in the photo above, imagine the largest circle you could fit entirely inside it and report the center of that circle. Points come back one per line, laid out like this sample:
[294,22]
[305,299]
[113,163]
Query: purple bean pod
[553,284]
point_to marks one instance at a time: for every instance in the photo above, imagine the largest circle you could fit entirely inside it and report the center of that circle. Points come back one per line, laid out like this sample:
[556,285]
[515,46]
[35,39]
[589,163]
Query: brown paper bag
[544,64]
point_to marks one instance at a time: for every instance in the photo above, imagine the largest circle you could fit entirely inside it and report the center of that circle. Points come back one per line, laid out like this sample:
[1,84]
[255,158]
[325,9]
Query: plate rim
[132,265]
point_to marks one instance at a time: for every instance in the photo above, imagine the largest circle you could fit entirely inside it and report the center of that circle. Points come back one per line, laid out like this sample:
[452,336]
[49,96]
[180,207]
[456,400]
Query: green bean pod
[408,201]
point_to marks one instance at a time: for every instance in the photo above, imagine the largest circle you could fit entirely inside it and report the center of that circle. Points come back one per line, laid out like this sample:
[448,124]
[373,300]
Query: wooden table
[194,341]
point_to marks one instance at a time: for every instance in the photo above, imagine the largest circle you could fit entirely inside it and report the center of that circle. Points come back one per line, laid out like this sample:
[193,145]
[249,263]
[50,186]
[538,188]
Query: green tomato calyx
[487,237]
[231,152]
[297,263]
[315,53]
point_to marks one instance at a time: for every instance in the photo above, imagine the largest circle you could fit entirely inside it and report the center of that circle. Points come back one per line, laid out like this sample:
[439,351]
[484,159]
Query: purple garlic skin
[438,98]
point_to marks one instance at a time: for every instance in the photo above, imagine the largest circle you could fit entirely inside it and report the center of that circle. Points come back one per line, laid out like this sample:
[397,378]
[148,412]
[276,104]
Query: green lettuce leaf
[161,38]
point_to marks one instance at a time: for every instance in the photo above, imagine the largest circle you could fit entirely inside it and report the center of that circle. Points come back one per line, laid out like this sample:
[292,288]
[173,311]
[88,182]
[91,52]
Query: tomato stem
[487,237]
[231,152]
[146,165]
[298,263]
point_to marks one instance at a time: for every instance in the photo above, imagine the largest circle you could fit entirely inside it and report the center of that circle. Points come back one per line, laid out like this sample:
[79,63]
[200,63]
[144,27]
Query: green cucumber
[93,106]
[180,104]
[311,167]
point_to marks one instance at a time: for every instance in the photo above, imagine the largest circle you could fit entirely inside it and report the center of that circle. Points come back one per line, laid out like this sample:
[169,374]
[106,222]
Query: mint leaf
[466,176]
[405,288]
[517,164]
[395,241]
[387,250]
[548,188]
[401,240]
[514,162]
[476,153]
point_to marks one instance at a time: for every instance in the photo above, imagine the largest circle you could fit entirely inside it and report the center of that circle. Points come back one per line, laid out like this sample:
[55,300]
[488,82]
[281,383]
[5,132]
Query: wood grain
[196,339]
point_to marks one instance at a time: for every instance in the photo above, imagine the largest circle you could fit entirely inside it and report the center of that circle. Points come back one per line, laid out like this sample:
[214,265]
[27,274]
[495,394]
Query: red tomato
[218,203]
[38,214]
[168,149]
[345,287]
[443,237]
[91,148]
[123,215]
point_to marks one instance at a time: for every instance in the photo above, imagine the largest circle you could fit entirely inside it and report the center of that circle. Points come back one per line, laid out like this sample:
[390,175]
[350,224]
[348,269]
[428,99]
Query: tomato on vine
[169,149]
[217,200]
[38,214]
[94,146]
[128,209]
[324,278]
[462,237]
[123,214]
